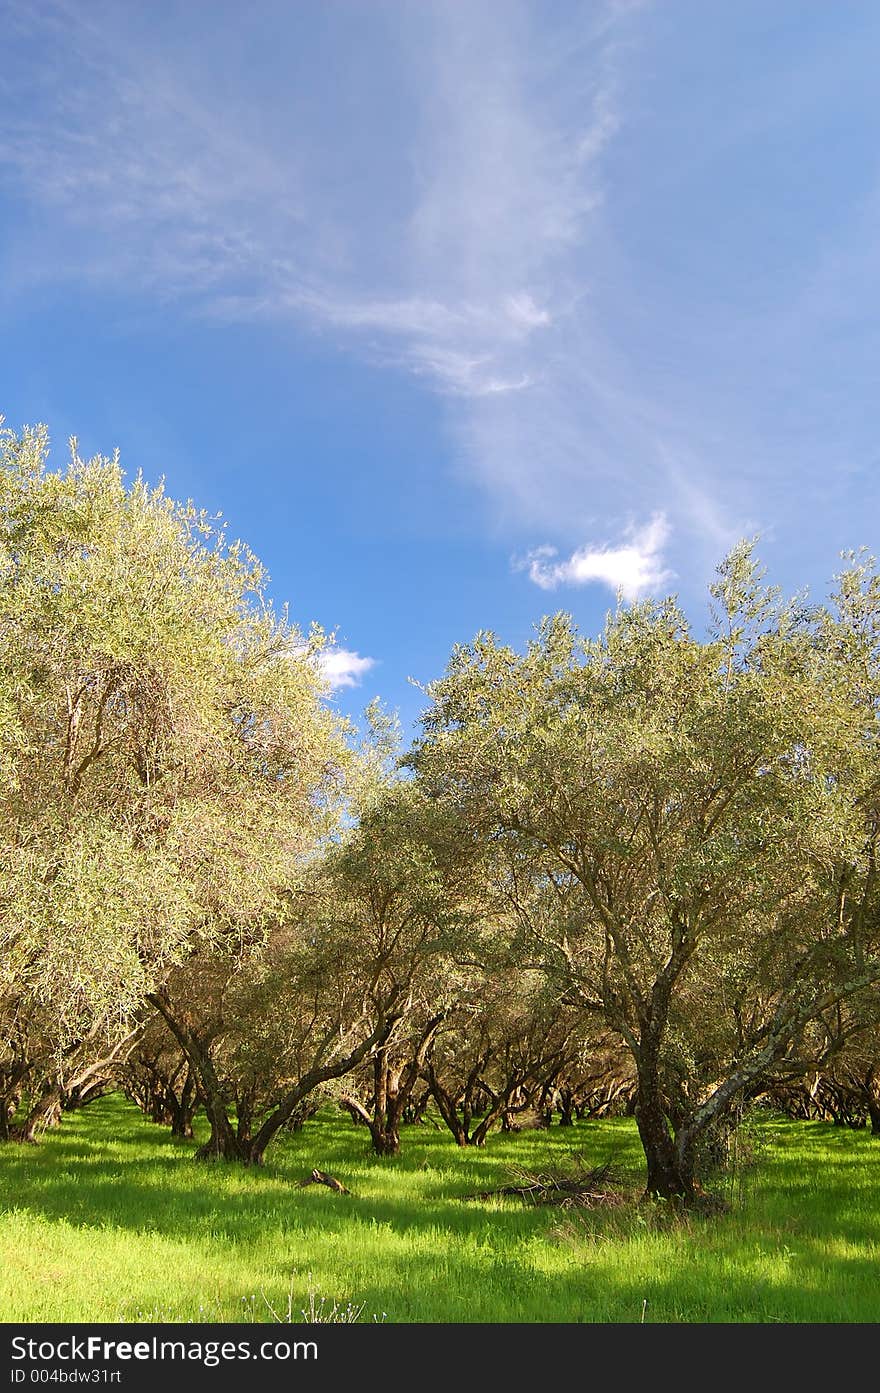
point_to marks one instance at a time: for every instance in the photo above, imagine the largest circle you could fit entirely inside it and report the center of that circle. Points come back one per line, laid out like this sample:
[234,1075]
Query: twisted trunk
[311,1080]
[447,1106]
[223,1144]
[392,1089]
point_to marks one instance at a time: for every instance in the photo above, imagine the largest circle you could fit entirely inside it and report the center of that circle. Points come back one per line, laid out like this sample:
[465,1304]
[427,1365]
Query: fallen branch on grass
[586,1189]
[322,1178]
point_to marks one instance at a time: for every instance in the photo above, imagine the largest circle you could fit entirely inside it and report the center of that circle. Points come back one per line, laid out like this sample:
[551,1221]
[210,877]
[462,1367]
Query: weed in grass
[319,1310]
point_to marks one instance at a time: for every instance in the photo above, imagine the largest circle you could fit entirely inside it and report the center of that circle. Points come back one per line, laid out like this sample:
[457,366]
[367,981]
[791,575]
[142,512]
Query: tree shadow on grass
[408,1245]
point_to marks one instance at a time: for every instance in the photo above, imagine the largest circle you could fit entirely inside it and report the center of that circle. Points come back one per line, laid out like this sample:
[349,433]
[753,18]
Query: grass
[109,1219]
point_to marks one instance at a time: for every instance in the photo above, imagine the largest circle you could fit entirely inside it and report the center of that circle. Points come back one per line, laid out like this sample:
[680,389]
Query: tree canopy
[684,828]
[166,760]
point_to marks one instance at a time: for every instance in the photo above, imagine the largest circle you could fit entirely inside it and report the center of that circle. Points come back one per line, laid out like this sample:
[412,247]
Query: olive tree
[166,762]
[685,828]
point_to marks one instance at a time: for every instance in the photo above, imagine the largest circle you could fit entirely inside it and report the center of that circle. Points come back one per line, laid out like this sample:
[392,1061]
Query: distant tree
[840,1081]
[509,1043]
[403,884]
[156,1076]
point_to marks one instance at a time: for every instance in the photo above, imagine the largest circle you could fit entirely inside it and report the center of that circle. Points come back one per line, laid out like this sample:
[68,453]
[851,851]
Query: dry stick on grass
[322,1178]
[586,1189]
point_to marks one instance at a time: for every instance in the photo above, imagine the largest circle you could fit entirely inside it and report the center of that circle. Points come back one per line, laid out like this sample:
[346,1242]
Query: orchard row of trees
[636,870]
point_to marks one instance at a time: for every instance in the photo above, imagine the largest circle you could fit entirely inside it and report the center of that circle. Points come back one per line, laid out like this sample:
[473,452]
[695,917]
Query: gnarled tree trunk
[392,1088]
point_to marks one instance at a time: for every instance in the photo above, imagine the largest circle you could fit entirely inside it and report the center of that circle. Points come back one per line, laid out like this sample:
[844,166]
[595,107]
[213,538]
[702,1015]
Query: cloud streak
[456,264]
[507,201]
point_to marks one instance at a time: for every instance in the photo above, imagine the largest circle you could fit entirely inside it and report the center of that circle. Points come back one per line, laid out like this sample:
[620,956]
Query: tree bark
[448,1109]
[670,1168]
[669,1175]
[44,1113]
[13,1081]
[396,1089]
[872,1099]
[183,1109]
[566,1107]
[223,1144]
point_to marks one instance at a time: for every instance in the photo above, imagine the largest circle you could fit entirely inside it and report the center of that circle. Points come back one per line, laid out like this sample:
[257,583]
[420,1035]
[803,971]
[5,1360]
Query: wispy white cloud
[463,347]
[342,668]
[161,172]
[635,566]
[508,203]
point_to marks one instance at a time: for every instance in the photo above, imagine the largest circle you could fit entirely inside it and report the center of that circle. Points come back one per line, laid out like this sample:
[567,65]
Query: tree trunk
[89,1093]
[392,1089]
[448,1110]
[386,1141]
[414,1112]
[566,1107]
[222,1144]
[669,1169]
[498,1106]
[183,1109]
[10,1097]
[670,1173]
[356,1111]
[321,1074]
[872,1098]
[667,1178]
[384,1135]
[45,1113]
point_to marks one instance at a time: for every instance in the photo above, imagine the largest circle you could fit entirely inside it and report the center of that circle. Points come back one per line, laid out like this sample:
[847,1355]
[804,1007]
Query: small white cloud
[522,310]
[635,567]
[342,668]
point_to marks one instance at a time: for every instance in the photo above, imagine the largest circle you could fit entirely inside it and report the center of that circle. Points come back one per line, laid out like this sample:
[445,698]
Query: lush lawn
[109,1219]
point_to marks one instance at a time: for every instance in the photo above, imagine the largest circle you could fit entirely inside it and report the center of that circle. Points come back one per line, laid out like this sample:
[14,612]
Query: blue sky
[460,311]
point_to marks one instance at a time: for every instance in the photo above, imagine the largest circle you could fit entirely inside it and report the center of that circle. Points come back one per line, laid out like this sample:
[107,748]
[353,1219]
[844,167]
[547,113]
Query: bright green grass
[109,1219]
